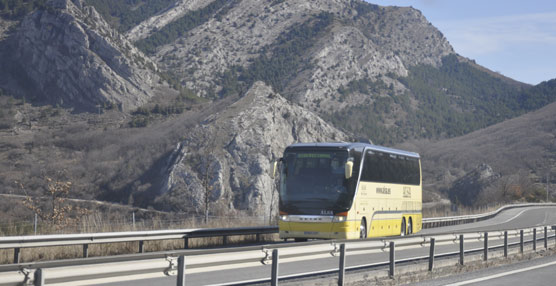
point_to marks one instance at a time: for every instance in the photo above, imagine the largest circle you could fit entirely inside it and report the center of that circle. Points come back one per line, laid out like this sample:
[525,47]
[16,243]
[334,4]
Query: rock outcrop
[467,190]
[229,156]
[154,23]
[74,58]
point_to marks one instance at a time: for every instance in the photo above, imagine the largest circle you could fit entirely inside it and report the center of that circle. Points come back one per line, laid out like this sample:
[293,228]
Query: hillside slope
[524,145]
[67,55]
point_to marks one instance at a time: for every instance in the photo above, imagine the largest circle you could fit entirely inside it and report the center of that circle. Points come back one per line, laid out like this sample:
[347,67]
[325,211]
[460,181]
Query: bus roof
[350,145]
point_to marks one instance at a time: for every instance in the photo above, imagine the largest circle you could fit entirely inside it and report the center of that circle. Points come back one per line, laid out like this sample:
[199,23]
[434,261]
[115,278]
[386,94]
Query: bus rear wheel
[410,227]
[300,239]
[363,229]
[403,230]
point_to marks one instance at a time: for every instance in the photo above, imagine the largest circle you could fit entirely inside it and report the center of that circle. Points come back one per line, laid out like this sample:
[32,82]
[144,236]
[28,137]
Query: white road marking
[515,216]
[501,274]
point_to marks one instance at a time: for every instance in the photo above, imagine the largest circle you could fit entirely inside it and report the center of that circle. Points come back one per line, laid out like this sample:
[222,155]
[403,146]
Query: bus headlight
[339,218]
[284,218]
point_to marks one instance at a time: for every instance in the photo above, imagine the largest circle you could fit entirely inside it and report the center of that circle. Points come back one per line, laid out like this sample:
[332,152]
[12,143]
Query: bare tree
[207,174]
[53,206]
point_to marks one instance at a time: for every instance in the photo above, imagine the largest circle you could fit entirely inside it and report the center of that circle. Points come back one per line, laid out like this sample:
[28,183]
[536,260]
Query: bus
[348,191]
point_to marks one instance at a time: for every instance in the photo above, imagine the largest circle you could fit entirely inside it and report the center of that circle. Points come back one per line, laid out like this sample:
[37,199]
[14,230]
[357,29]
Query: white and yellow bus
[348,190]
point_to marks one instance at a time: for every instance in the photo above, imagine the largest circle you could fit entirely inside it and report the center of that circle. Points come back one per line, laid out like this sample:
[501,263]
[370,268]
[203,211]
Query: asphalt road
[511,219]
[540,271]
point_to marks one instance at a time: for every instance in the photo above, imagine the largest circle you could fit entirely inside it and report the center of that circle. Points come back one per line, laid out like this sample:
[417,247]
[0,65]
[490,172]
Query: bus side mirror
[273,169]
[349,169]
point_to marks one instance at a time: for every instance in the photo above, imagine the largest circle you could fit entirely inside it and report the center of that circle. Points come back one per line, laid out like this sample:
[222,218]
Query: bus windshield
[313,182]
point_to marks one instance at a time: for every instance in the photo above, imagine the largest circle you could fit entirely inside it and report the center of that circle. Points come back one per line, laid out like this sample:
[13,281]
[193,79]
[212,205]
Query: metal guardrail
[166,263]
[19,242]
[455,220]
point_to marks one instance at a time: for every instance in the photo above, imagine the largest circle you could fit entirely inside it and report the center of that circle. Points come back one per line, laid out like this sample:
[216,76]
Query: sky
[514,38]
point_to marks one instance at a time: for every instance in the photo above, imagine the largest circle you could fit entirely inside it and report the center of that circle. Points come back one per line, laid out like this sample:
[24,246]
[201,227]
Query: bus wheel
[300,239]
[402,231]
[410,227]
[363,229]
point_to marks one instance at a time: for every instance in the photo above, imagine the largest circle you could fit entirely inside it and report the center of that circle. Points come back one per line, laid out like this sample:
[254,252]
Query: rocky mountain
[228,157]
[380,72]
[66,54]
[342,41]
[209,92]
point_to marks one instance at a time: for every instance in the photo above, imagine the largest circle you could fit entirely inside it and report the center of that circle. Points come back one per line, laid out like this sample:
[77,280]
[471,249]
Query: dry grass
[98,223]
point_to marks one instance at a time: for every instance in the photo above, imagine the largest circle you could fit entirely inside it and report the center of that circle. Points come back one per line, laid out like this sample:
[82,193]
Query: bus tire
[402,230]
[300,239]
[410,226]
[363,228]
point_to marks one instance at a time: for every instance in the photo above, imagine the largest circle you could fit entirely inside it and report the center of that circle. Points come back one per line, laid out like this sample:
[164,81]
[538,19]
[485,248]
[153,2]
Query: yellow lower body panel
[325,230]
[389,227]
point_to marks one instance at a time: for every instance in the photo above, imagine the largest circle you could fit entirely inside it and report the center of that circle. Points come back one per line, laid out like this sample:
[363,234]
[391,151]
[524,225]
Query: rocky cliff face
[74,58]
[230,154]
[363,41]
[466,190]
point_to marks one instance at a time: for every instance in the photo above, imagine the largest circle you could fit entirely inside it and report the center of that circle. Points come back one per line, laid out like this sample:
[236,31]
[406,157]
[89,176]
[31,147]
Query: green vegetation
[181,26]
[453,100]
[364,86]
[279,62]
[538,95]
[186,95]
[457,98]
[125,14]
[144,115]
[16,9]
[276,2]
[364,8]
[367,119]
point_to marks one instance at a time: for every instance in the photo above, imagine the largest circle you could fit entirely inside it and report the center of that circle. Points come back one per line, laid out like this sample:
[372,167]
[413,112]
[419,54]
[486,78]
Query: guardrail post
[521,241]
[461,249]
[545,237]
[392,259]
[85,250]
[258,237]
[141,246]
[274,280]
[38,279]
[506,244]
[534,239]
[554,228]
[485,254]
[225,240]
[185,242]
[431,254]
[342,268]
[181,271]
[16,255]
